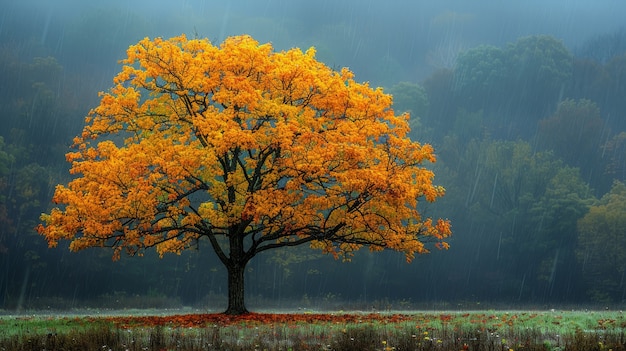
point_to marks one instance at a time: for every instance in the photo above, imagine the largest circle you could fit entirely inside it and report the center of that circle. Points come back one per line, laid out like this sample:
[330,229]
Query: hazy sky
[569,18]
[343,30]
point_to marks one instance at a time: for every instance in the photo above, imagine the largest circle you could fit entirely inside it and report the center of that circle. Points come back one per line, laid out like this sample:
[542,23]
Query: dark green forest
[530,135]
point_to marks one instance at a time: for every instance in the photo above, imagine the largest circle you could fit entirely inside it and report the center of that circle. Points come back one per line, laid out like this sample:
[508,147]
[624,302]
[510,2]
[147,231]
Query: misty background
[524,102]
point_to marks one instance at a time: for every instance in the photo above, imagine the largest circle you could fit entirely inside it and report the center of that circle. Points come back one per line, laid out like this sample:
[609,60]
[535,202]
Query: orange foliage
[196,140]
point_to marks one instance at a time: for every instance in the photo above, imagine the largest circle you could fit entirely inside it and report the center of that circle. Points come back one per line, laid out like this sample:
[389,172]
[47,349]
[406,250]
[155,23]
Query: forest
[529,129]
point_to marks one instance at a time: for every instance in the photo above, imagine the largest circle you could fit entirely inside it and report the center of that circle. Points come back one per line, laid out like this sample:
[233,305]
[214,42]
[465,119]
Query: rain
[523,102]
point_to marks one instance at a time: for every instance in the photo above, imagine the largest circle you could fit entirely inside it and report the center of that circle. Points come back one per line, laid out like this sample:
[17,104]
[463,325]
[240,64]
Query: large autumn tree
[249,148]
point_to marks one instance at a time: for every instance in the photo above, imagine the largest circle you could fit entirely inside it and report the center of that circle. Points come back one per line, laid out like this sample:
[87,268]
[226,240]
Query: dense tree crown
[251,148]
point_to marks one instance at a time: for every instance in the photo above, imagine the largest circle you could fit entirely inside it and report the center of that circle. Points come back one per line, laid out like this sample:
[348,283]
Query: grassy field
[472,330]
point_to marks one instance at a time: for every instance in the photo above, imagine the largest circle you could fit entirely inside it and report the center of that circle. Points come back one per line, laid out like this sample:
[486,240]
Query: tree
[442,104]
[574,132]
[480,74]
[411,98]
[24,188]
[526,79]
[615,151]
[551,228]
[6,160]
[249,148]
[604,47]
[602,246]
[539,68]
[616,88]
[590,80]
[518,209]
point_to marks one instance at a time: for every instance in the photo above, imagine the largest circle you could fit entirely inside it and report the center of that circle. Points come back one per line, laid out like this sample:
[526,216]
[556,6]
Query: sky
[427,32]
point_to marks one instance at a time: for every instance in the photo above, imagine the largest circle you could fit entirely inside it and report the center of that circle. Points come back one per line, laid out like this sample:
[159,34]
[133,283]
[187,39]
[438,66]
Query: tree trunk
[236,304]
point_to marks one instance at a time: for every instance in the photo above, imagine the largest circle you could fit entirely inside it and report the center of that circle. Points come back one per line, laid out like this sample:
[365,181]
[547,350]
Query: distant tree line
[531,143]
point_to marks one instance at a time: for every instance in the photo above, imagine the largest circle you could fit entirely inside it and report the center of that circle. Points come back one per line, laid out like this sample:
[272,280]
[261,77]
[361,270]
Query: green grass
[477,330]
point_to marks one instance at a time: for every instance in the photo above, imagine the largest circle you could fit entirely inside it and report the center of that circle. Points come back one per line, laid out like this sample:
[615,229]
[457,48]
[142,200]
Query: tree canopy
[602,245]
[249,148]
[575,132]
[526,78]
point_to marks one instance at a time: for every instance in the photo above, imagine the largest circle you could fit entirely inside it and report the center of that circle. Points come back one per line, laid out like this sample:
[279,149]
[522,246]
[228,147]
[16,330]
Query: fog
[523,102]
[415,35]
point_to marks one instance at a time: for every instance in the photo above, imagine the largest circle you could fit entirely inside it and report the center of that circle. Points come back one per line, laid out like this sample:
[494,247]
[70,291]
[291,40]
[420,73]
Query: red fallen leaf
[200,320]
[445,317]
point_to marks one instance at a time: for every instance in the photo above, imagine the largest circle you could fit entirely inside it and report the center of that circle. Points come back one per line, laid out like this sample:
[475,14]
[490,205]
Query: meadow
[459,330]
